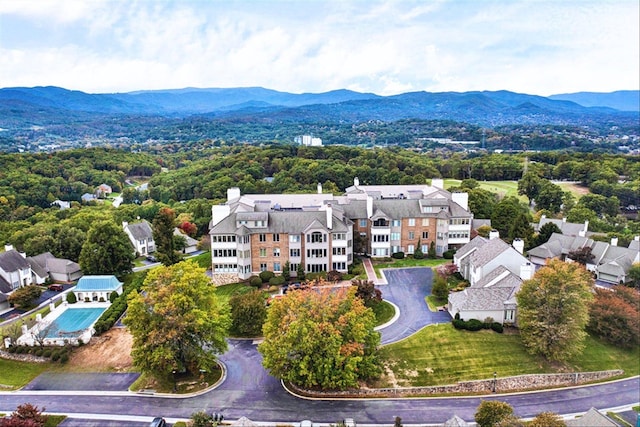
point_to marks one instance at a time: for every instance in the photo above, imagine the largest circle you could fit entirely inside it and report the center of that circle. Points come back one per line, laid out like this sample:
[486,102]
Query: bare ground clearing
[110,351]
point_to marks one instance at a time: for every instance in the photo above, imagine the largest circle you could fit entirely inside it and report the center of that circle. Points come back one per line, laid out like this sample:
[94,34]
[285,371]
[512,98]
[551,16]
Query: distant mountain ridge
[32,106]
[623,100]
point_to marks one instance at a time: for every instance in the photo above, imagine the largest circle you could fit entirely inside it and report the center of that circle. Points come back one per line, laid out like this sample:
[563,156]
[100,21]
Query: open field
[406,262]
[440,354]
[510,188]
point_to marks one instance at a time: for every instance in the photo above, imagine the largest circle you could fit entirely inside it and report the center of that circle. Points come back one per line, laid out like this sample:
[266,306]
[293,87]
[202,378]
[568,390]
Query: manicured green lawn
[434,302]
[440,354]
[16,374]
[225,292]
[407,262]
[384,312]
[203,260]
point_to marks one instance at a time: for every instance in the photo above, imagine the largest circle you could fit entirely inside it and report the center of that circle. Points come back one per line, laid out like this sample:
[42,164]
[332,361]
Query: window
[276,251]
[509,315]
[427,209]
[221,253]
[261,223]
[339,251]
[223,239]
[276,237]
[425,249]
[339,266]
[276,266]
[363,223]
[439,249]
[412,235]
[262,237]
[339,236]
[395,236]
[263,252]
[425,234]
[425,222]
[294,238]
[412,222]
[316,237]
[459,221]
[316,253]
[316,268]
[395,223]
[293,267]
[410,249]
[263,266]
[380,238]
[381,252]
[294,252]
[441,236]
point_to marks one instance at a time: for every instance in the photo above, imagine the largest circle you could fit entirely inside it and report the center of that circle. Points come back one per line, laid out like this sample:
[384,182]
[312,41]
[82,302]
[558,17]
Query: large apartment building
[261,232]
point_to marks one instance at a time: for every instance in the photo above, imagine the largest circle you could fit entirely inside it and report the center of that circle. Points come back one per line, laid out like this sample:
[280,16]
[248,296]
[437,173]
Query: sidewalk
[371,272]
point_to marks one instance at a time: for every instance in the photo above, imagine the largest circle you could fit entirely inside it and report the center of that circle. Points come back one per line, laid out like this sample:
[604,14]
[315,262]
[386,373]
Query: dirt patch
[110,351]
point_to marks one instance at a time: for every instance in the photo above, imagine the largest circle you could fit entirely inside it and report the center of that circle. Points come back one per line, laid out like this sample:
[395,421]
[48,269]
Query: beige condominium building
[261,232]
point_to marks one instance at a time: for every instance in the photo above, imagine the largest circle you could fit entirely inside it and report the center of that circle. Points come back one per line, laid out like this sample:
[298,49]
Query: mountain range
[22,107]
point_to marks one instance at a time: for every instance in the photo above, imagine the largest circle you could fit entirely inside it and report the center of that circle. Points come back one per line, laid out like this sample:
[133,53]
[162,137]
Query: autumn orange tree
[321,337]
[614,316]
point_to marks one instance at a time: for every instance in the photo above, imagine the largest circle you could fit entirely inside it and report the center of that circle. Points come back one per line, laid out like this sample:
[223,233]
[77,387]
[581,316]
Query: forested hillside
[191,181]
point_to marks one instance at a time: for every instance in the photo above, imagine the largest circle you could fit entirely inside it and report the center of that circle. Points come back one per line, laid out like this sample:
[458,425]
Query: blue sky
[385,47]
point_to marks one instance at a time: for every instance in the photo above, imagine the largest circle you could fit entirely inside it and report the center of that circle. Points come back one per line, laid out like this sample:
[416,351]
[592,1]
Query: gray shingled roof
[481,299]
[12,261]
[510,280]
[46,263]
[551,249]
[592,418]
[634,245]
[477,242]
[5,287]
[140,230]
[290,222]
[489,252]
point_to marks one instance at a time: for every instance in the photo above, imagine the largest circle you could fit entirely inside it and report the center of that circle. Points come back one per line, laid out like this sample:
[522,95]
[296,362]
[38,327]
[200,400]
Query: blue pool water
[72,321]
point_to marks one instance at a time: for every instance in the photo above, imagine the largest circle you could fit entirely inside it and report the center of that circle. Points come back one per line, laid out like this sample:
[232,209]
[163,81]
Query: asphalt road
[249,391]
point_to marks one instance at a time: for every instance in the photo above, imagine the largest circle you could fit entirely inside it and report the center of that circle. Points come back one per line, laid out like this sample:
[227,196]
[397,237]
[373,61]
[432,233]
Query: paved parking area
[82,381]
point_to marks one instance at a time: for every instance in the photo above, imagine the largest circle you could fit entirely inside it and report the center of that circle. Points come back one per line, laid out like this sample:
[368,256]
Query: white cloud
[386,47]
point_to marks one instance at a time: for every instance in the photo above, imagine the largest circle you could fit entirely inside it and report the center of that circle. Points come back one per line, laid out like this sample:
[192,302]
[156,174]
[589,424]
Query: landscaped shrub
[474,325]
[334,276]
[113,297]
[46,353]
[266,276]
[255,281]
[276,281]
[71,298]
[448,254]
[496,326]
[55,356]
[180,424]
[64,358]
[397,255]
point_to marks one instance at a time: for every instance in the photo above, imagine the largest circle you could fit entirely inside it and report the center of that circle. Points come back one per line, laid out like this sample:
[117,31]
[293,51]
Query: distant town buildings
[308,140]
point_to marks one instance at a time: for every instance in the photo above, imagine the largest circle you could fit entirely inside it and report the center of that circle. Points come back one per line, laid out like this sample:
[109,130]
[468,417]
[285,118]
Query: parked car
[56,287]
[151,258]
[306,423]
[158,422]
[348,422]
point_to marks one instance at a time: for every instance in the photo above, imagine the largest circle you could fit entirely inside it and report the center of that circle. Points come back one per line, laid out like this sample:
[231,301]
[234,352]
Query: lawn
[16,374]
[440,354]
[406,262]
[510,188]
[384,312]
[225,292]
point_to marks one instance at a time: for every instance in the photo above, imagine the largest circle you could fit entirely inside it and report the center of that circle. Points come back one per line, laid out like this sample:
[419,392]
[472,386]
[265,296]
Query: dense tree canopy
[553,310]
[321,337]
[107,250]
[176,320]
[615,316]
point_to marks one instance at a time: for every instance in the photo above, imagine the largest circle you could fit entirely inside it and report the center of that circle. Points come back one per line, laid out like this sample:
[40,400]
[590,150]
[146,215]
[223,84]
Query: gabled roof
[11,260]
[592,418]
[482,299]
[468,248]
[499,277]
[5,287]
[97,283]
[189,241]
[567,228]
[634,245]
[47,263]
[289,222]
[455,421]
[140,230]
[490,250]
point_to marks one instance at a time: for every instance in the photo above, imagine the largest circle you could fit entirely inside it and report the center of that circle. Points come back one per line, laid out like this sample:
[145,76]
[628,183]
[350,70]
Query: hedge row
[476,325]
[118,306]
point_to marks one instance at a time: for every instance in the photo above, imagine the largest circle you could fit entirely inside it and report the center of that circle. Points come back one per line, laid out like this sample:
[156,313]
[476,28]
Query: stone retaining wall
[502,385]
[23,357]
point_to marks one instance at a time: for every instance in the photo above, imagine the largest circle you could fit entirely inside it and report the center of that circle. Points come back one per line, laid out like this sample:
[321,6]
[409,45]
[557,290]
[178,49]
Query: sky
[380,46]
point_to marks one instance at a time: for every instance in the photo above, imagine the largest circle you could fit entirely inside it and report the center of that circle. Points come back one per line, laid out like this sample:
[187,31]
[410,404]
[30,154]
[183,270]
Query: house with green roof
[97,288]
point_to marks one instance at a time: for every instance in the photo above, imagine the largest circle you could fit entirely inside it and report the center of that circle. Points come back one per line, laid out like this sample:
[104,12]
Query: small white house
[141,237]
[97,288]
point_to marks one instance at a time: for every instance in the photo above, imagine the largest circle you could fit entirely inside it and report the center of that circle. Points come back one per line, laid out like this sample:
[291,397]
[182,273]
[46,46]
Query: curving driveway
[407,289]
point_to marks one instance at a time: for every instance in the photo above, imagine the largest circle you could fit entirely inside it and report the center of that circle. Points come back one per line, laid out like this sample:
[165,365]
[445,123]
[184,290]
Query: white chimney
[494,234]
[518,245]
[319,188]
[636,238]
[233,193]
[543,216]
[8,247]
[124,224]
[586,225]
[462,199]
[218,213]
[526,271]
[329,217]
[437,183]
[564,219]
[614,241]
[356,182]
[369,206]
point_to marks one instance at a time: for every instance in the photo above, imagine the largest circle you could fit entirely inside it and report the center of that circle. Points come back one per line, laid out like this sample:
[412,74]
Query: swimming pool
[73,321]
